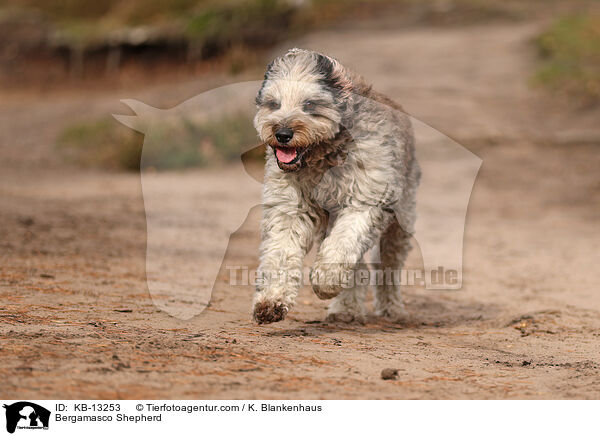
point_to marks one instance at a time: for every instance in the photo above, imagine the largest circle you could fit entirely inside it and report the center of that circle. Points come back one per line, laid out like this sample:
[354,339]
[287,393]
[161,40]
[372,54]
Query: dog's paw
[346,317]
[266,312]
[394,313]
[328,280]
[347,308]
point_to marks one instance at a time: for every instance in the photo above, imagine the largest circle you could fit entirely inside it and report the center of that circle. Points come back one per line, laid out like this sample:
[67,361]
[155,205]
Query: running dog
[340,172]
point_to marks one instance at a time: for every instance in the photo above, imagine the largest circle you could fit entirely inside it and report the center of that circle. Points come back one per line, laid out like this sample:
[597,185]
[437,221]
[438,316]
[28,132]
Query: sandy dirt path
[77,321]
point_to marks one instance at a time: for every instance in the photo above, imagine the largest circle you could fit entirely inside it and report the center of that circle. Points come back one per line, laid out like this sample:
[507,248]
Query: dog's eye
[309,106]
[273,105]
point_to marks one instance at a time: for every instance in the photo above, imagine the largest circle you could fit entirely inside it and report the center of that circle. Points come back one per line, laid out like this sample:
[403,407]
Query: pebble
[389,374]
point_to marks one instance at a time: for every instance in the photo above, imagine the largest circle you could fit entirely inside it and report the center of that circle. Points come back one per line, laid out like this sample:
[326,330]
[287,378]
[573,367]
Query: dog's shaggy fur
[341,171]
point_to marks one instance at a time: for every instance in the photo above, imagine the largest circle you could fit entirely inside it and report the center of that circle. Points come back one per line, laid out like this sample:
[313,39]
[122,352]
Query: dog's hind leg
[349,305]
[394,247]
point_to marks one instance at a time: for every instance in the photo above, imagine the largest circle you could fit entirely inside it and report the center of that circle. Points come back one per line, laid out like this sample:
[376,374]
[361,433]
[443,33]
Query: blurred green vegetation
[219,24]
[80,39]
[570,49]
[101,143]
[105,143]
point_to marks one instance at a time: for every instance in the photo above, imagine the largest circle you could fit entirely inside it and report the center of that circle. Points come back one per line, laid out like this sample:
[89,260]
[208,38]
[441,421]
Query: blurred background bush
[570,49]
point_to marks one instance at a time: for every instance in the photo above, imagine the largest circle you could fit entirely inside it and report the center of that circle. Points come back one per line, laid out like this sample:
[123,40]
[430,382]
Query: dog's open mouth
[289,158]
[287,155]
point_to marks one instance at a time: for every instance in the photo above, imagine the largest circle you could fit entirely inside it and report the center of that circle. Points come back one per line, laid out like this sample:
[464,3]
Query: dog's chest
[331,190]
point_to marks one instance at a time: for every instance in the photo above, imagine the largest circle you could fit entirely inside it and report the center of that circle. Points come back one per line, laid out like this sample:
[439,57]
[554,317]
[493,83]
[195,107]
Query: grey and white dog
[341,172]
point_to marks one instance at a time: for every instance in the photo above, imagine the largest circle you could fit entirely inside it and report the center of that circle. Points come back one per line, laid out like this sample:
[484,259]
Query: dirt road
[77,321]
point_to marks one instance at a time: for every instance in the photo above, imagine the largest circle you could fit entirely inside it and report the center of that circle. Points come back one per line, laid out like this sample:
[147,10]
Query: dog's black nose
[284,135]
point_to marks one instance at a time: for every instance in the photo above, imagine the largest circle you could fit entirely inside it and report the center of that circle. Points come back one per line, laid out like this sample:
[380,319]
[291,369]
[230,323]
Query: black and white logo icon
[26,415]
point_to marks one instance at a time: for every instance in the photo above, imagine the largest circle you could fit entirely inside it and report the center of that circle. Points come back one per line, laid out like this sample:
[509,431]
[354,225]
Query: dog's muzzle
[289,158]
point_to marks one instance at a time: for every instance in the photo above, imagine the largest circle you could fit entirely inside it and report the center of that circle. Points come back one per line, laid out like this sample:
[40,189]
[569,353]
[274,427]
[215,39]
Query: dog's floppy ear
[334,76]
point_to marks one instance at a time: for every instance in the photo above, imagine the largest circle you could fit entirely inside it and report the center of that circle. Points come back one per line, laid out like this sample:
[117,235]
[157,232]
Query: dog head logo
[181,214]
[26,415]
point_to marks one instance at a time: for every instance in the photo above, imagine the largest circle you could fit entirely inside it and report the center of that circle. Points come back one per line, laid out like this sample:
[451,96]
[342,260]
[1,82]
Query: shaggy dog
[341,172]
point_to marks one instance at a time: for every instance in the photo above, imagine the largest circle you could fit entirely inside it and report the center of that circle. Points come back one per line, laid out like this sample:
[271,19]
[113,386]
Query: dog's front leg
[286,238]
[353,233]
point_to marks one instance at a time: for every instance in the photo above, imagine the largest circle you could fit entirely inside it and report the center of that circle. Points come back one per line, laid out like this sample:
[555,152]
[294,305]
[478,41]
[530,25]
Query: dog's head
[301,105]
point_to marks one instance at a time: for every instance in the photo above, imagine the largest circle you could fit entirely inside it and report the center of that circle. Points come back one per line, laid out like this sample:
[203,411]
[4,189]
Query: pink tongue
[286,155]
